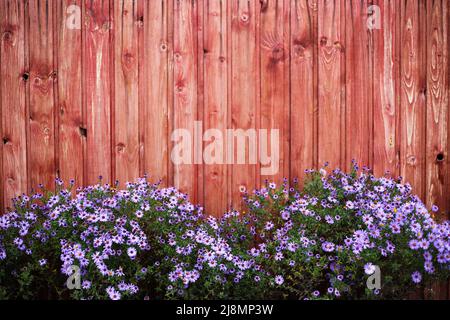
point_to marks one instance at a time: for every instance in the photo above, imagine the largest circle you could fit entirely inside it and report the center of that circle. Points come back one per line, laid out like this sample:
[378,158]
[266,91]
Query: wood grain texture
[302,87]
[437,104]
[103,99]
[437,115]
[215,61]
[70,111]
[243,92]
[185,78]
[153,92]
[385,92]
[274,68]
[13,160]
[331,82]
[43,78]
[126,94]
[413,94]
[358,88]
[97,83]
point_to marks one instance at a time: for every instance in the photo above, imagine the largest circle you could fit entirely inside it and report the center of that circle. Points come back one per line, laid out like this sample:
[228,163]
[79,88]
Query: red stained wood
[104,99]
[126,99]
[97,84]
[437,104]
[302,87]
[274,66]
[185,19]
[437,114]
[71,138]
[358,84]
[42,82]
[243,92]
[13,160]
[386,89]
[153,90]
[413,94]
[216,63]
[331,88]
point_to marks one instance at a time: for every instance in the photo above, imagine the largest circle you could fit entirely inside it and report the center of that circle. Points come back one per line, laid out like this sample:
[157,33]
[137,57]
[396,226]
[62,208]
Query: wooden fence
[96,87]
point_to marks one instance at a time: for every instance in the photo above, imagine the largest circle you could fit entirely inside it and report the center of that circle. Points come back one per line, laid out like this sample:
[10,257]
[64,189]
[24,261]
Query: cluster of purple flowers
[340,221]
[148,241]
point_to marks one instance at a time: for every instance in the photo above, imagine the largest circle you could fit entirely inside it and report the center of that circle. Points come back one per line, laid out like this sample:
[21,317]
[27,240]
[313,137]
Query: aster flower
[328,246]
[416,277]
[131,252]
[279,280]
[369,268]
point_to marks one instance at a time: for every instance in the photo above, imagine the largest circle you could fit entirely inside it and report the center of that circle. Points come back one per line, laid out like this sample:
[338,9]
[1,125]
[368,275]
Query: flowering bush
[325,241]
[149,242]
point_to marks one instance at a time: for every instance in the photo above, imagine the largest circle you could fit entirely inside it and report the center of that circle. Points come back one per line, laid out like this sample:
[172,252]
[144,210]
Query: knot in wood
[411,160]
[245,17]
[7,36]
[120,147]
[128,60]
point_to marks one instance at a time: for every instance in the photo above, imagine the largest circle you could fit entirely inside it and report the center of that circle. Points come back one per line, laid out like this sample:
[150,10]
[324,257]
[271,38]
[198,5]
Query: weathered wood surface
[96,87]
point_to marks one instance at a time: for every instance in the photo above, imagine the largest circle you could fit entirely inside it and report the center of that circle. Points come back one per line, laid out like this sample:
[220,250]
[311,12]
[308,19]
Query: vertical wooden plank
[331,82]
[13,77]
[215,60]
[97,75]
[437,114]
[437,103]
[358,60]
[274,81]
[42,90]
[170,86]
[71,139]
[200,165]
[386,82]
[140,22]
[413,96]
[126,100]
[185,87]
[302,87]
[244,88]
[229,42]
[153,90]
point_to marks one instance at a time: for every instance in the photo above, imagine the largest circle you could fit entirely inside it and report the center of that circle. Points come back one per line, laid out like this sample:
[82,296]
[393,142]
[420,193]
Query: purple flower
[279,280]
[285,215]
[269,225]
[131,252]
[113,294]
[416,277]
[328,246]
[86,284]
[369,268]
